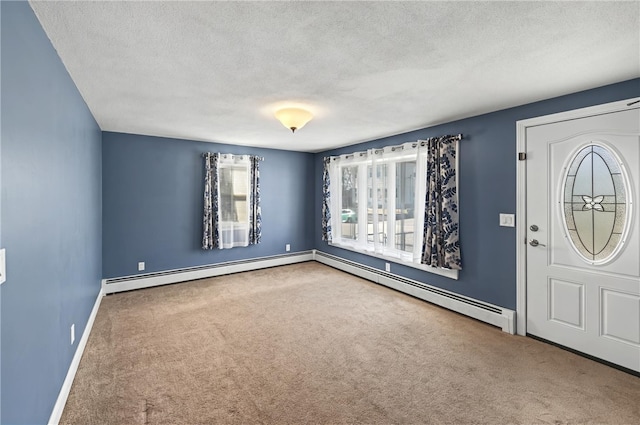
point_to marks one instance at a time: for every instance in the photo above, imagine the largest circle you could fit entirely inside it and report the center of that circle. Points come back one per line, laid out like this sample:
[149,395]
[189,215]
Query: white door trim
[521,192]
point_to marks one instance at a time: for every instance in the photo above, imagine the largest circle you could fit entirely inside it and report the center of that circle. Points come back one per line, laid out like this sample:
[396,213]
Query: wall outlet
[141,266]
[73,333]
[3,267]
[507,220]
[387,267]
[287,247]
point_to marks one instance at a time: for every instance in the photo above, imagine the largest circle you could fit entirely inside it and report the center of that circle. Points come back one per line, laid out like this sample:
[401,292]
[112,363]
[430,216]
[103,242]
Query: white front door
[583,234]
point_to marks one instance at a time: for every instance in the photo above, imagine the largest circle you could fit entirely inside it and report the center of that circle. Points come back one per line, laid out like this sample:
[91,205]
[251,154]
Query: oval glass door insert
[595,203]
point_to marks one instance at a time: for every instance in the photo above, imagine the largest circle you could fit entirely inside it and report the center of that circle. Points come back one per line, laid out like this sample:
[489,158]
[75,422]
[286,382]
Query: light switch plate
[507,220]
[3,266]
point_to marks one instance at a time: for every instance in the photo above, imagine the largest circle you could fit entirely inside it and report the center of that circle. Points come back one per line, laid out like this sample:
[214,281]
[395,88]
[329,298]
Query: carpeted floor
[307,344]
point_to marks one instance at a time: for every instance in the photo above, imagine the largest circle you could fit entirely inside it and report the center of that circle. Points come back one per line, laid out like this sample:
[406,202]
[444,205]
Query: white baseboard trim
[480,310]
[128,283]
[54,419]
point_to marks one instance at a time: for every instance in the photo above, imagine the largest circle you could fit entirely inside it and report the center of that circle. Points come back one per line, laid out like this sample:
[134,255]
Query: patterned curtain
[211,233]
[255,216]
[441,245]
[326,202]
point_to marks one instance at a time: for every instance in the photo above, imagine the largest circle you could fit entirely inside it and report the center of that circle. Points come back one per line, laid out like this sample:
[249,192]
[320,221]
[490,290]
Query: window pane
[233,194]
[405,203]
[380,207]
[349,213]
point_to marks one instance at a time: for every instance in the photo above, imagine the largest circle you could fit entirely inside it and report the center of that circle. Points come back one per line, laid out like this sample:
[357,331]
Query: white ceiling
[216,71]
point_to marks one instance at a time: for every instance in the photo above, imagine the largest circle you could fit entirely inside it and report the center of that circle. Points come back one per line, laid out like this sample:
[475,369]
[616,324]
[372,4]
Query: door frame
[521,191]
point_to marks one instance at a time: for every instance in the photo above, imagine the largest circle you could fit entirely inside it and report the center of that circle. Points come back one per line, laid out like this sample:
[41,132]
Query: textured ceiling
[216,71]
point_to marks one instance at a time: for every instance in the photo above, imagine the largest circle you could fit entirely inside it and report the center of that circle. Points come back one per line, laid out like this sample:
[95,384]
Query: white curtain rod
[226,155]
[393,148]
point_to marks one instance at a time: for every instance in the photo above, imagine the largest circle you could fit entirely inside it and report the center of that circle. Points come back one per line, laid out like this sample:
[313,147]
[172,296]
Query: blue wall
[57,171]
[487,187]
[153,202]
[51,217]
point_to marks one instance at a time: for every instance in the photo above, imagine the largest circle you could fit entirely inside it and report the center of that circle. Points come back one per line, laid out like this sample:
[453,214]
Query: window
[379,207]
[405,205]
[234,203]
[232,215]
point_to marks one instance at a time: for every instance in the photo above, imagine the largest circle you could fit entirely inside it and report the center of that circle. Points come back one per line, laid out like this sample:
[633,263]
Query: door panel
[566,303]
[621,316]
[583,274]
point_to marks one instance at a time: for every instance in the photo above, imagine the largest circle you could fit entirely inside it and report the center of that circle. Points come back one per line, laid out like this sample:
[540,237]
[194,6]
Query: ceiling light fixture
[293,118]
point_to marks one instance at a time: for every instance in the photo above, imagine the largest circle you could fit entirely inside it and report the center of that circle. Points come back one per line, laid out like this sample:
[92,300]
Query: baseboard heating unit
[485,312]
[148,280]
[480,310]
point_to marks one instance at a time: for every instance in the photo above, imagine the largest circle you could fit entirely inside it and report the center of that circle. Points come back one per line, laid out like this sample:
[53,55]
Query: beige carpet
[309,344]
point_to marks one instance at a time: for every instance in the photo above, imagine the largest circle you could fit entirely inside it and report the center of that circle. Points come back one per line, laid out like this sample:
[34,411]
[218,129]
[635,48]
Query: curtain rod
[415,144]
[224,155]
[393,148]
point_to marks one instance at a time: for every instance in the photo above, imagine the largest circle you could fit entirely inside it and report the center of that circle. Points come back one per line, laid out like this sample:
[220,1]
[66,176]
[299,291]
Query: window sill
[451,274]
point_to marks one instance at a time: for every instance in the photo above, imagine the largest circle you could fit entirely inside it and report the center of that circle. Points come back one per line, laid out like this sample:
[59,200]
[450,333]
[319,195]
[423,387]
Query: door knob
[534,242]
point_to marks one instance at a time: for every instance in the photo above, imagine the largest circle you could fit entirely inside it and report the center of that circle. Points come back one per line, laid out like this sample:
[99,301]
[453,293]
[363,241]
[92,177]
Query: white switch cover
[507,220]
[287,247]
[3,267]
[141,266]
[387,267]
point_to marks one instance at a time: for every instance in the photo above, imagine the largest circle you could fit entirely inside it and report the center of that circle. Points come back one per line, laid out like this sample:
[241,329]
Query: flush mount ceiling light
[293,118]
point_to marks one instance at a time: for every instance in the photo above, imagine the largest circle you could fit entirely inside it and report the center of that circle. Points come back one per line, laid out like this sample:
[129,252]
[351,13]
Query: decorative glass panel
[594,198]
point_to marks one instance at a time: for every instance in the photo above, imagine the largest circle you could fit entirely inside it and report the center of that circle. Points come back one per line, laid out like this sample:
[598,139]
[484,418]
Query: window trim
[450,273]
